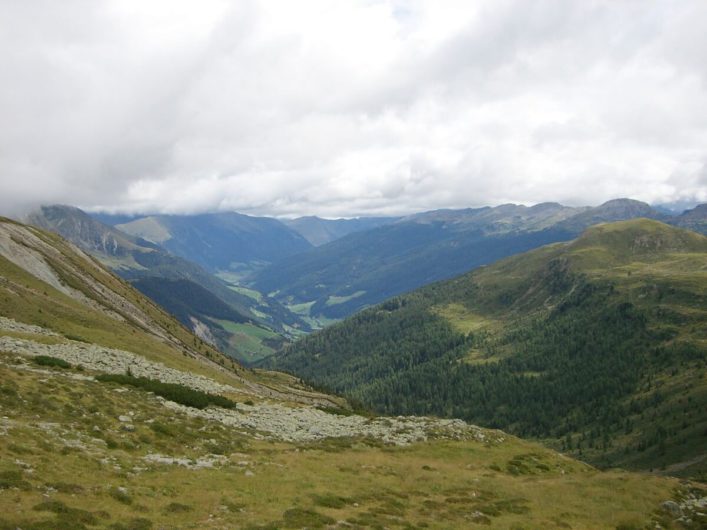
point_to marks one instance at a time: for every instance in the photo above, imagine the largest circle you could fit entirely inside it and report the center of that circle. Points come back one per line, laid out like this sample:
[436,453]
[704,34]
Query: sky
[350,107]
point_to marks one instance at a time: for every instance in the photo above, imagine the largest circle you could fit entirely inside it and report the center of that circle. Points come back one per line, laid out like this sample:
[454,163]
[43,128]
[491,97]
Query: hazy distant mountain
[114,219]
[152,268]
[319,231]
[364,268]
[91,235]
[220,241]
[675,207]
[502,219]
[695,219]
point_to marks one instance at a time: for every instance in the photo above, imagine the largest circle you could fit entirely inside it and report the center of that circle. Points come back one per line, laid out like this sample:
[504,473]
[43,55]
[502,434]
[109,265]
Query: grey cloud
[382,107]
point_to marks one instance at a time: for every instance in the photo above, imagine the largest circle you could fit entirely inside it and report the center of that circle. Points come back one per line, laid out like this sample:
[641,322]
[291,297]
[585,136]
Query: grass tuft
[302,518]
[176,507]
[63,511]
[138,523]
[332,501]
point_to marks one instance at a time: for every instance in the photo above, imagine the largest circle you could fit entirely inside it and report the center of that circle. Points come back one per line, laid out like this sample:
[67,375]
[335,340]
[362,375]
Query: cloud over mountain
[345,108]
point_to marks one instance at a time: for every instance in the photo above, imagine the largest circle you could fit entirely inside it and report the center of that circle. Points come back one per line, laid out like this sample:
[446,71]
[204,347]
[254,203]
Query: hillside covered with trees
[598,345]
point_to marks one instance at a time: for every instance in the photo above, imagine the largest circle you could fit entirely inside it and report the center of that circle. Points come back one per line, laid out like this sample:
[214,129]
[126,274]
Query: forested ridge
[606,361]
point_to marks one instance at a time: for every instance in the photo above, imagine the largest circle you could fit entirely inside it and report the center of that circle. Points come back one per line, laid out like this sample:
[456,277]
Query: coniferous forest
[560,352]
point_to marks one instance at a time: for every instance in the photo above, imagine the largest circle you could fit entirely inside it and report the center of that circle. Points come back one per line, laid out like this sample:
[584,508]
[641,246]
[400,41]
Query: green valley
[597,346]
[196,297]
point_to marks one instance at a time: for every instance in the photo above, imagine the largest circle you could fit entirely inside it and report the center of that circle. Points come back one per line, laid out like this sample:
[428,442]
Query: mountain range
[282,278]
[116,416]
[339,278]
[320,231]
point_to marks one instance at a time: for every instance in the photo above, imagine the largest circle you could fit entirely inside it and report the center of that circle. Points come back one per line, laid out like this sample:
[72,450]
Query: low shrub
[174,392]
[338,411]
[67,513]
[65,487]
[301,518]
[120,496]
[161,429]
[332,501]
[176,507]
[13,479]
[46,360]
[139,523]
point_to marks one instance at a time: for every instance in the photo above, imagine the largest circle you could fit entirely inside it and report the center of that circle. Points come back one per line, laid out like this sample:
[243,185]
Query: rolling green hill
[598,346]
[115,416]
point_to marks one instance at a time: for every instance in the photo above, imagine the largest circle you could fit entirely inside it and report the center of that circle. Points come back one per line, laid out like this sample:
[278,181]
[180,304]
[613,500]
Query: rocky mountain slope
[115,416]
[597,346]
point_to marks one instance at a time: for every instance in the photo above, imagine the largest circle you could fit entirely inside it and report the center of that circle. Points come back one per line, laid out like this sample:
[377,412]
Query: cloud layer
[350,107]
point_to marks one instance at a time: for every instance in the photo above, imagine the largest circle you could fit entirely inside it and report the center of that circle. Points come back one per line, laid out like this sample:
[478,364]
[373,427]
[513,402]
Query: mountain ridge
[422,248]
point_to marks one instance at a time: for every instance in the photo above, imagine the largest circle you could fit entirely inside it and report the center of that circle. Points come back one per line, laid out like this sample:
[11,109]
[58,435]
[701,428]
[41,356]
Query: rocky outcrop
[112,361]
[266,419]
[9,324]
[308,424]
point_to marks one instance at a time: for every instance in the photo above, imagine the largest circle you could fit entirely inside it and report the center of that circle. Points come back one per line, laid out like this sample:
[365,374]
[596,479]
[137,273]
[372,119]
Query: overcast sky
[342,108]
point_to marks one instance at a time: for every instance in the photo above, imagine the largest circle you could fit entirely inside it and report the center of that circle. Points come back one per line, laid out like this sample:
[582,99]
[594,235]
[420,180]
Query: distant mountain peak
[694,219]
[542,206]
[319,231]
[698,212]
[624,204]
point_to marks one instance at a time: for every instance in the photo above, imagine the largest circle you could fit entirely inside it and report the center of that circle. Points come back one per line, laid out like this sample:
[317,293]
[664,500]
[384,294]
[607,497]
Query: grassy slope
[102,475]
[27,299]
[252,341]
[515,310]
